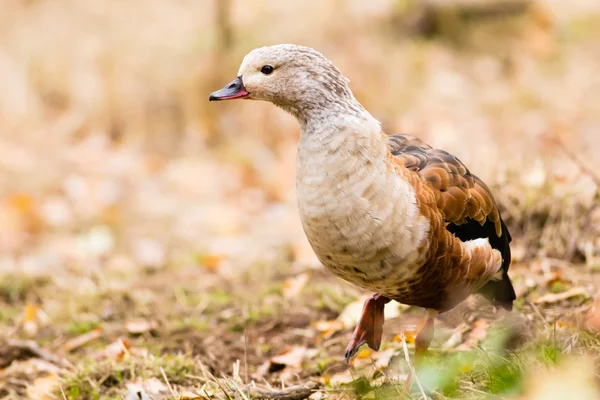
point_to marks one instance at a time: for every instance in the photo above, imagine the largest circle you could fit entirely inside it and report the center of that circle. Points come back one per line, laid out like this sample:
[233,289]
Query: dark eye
[267,70]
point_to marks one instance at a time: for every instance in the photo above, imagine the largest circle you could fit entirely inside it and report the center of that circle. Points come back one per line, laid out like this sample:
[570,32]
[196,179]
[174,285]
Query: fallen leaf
[192,396]
[33,319]
[466,368]
[557,297]
[137,393]
[291,358]
[409,337]
[477,333]
[327,329]
[139,326]
[147,389]
[210,262]
[114,351]
[293,286]
[327,326]
[364,353]
[82,340]
[382,358]
[341,378]
[43,388]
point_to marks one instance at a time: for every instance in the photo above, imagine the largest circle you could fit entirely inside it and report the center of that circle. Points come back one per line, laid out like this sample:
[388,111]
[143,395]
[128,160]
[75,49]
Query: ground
[150,245]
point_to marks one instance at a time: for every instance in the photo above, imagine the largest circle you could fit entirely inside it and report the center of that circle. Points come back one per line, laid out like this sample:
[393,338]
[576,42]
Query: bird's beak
[234,90]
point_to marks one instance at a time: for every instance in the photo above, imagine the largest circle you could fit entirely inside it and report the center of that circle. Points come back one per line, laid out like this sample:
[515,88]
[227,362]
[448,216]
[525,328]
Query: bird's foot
[370,326]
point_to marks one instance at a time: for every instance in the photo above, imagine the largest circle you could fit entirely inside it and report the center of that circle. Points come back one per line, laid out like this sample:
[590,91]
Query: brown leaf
[293,286]
[43,388]
[211,262]
[192,396]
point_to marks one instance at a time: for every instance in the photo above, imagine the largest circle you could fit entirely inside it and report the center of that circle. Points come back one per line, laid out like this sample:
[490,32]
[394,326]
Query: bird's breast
[362,220]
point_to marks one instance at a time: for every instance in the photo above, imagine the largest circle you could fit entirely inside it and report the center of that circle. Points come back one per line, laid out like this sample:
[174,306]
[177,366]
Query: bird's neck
[339,152]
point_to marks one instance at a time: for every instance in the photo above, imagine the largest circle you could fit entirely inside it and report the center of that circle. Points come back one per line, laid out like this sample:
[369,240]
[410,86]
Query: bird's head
[296,78]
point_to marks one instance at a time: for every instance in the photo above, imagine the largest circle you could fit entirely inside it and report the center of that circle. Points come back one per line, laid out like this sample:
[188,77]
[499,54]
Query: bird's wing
[460,196]
[464,201]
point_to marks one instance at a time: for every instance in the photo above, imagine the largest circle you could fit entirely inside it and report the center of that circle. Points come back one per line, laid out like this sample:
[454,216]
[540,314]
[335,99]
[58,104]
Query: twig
[236,387]
[412,368]
[35,350]
[595,177]
[537,311]
[162,371]
[296,392]
[246,356]
[62,392]
[208,373]
[582,167]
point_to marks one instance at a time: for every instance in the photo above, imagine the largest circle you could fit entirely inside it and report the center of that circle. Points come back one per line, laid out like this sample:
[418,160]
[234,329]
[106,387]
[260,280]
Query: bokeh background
[127,198]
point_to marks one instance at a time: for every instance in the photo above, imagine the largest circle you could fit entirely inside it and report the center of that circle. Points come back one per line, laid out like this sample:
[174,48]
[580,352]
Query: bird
[385,212]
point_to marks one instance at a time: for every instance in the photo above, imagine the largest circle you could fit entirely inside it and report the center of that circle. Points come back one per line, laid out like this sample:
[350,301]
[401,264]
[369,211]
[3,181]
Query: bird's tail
[500,292]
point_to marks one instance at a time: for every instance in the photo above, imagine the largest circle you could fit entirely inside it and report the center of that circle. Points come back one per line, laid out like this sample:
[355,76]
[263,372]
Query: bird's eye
[267,70]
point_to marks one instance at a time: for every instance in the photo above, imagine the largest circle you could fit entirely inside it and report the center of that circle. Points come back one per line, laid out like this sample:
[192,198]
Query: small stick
[582,167]
[296,392]
[62,392]
[34,349]
[246,355]
[162,371]
[412,368]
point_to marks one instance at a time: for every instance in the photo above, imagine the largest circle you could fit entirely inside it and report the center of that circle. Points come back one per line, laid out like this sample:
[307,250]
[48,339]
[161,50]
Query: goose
[388,213]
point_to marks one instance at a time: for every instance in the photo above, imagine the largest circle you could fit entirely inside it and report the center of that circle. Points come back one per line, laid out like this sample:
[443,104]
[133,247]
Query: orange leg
[370,326]
[425,335]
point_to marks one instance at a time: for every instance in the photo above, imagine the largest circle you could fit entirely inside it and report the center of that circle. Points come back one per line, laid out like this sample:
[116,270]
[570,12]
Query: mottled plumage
[387,213]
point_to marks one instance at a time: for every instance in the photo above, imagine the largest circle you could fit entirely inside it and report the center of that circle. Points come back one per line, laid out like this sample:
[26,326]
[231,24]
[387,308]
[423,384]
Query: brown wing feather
[459,194]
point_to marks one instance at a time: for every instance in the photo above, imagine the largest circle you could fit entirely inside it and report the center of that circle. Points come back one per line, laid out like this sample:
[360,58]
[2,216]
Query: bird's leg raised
[425,335]
[370,326]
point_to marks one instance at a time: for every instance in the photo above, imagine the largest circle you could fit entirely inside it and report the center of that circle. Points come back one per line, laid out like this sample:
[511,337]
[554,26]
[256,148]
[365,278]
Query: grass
[126,198]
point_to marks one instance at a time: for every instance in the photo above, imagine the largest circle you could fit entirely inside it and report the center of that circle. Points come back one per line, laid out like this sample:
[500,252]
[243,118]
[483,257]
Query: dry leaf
[364,353]
[341,377]
[382,358]
[33,319]
[557,297]
[114,351]
[139,326]
[479,331]
[151,388]
[326,329]
[409,337]
[192,396]
[293,286]
[82,340]
[291,358]
[43,388]
[211,262]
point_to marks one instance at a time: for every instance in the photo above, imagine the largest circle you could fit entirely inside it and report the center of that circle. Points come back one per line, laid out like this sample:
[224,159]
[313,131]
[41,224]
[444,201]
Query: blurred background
[125,194]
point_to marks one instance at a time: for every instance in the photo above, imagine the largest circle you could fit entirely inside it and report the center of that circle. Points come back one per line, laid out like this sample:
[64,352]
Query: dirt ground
[150,245]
